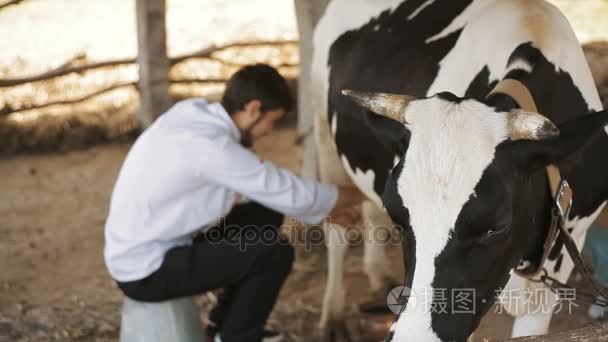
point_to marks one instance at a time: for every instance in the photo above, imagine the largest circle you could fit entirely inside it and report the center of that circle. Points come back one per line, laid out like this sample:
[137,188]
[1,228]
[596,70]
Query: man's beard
[246,139]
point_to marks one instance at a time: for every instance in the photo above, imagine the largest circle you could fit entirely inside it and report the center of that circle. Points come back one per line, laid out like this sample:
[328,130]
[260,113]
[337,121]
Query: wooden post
[152,60]
[308,13]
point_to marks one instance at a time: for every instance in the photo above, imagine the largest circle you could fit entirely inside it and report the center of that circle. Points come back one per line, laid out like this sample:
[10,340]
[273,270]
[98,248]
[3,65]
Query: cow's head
[455,193]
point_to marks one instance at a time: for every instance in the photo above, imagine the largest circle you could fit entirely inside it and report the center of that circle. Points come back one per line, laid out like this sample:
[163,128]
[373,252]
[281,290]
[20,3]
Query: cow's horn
[530,126]
[391,106]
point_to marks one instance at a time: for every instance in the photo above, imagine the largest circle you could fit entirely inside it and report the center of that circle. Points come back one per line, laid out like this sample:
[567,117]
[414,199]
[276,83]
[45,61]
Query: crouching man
[194,210]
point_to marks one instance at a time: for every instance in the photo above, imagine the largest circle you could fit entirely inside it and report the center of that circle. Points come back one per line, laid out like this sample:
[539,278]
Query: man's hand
[347,211]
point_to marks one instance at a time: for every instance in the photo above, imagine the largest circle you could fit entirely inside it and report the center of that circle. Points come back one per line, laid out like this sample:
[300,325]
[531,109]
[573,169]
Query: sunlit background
[37,36]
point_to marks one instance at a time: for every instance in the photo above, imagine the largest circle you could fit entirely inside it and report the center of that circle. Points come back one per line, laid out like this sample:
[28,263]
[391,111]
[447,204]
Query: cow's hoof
[336,330]
[375,325]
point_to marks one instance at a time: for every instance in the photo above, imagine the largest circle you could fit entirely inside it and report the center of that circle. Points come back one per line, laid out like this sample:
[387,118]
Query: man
[184,175]
[596,247]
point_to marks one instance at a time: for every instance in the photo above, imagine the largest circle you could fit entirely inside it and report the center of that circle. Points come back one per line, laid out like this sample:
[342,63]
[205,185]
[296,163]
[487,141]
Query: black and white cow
[470,194]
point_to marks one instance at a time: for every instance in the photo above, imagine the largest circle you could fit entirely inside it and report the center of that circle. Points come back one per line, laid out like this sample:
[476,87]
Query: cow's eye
[498,231]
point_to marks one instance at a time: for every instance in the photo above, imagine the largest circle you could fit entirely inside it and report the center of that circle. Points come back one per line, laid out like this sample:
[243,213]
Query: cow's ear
[574,137]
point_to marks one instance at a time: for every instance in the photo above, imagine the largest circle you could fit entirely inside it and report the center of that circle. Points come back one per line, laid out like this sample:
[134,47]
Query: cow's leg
[536,323]
[332,314]
[377,229]
[331,171]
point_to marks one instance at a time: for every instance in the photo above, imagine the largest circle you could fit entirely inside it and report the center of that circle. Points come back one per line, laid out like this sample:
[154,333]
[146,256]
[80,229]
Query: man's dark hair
[258,81]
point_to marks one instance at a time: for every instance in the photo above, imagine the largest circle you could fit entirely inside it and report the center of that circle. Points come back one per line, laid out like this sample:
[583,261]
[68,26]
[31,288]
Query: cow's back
[421,48]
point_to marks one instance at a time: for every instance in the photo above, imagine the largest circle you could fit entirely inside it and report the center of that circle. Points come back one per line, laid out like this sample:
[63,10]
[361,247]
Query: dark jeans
[245,255]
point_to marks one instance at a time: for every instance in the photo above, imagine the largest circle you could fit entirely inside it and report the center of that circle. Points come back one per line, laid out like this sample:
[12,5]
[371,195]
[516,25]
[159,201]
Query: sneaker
[269,335]
[598,310]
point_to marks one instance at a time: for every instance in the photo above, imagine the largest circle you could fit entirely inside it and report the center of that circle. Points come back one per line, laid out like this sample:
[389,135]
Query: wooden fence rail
[68,68]
[204,53]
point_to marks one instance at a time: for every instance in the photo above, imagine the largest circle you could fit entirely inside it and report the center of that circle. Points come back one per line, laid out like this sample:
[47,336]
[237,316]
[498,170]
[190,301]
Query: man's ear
[574,137]
[254,107]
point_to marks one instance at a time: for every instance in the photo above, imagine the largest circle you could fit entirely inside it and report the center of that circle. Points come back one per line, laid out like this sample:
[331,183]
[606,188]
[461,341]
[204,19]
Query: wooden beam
[308,13]
[589,333]
[152,59]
